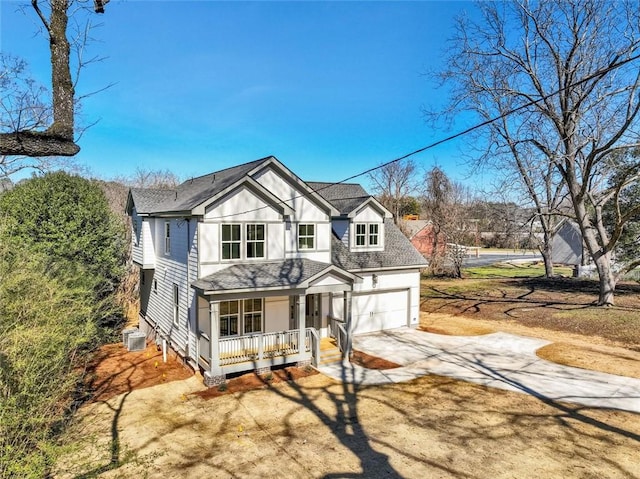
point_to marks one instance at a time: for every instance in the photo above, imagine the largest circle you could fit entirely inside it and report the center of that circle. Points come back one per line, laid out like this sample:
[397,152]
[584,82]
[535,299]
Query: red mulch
[371,362]
[248,381]
[115,370]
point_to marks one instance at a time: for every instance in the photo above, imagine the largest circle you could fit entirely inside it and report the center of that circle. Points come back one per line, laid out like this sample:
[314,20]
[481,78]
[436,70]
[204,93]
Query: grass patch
[561,304]
[510,270]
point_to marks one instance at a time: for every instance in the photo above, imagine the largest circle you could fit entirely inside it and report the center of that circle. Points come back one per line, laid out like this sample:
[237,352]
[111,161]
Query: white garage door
[379,310]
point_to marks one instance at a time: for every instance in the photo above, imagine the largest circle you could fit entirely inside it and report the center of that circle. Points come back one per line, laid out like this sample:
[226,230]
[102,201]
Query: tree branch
[36,144]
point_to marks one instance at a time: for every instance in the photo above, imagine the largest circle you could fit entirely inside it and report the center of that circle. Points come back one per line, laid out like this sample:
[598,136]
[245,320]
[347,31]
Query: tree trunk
[607,279]
[62,86]
[547,256]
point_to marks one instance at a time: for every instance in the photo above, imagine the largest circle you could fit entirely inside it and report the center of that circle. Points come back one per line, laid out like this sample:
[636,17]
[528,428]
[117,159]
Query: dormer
[366,226]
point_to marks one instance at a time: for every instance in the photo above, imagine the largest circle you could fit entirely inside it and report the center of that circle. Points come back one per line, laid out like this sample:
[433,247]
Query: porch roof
[296,273]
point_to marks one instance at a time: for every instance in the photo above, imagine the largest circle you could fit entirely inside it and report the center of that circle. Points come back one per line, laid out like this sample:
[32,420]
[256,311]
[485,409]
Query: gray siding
[171,269]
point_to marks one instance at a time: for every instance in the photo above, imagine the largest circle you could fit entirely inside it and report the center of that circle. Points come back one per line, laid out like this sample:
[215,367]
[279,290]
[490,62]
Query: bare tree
[393,184]
[562,78]
[42,131]
[445,203]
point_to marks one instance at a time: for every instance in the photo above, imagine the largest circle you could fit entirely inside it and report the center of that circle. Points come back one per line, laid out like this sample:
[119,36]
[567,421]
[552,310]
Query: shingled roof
[398,252]
[192,192]
[345,197]
[290,273]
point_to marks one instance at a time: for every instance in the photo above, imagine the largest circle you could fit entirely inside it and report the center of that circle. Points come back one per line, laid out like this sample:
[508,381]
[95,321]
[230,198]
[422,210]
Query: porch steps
[329,352]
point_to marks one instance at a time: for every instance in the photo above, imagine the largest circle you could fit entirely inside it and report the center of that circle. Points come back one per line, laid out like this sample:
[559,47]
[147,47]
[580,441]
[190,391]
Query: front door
[313,314]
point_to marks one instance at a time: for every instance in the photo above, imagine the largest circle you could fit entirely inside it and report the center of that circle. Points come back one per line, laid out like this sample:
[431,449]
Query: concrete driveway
[499,360]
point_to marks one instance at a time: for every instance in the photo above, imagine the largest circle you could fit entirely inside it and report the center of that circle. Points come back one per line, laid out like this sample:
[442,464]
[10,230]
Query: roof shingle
[256,276]
[398,252]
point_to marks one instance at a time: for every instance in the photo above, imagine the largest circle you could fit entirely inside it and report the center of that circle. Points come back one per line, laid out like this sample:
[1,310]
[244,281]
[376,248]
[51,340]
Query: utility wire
[599,73]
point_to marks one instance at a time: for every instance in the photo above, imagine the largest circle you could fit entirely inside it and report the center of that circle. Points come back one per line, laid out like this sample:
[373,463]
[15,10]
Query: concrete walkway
[499,360]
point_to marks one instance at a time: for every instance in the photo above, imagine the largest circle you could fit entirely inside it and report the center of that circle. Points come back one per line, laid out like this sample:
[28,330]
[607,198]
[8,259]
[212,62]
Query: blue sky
[330,88]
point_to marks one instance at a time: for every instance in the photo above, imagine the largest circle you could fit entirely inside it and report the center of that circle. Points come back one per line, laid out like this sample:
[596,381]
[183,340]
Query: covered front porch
[245,329]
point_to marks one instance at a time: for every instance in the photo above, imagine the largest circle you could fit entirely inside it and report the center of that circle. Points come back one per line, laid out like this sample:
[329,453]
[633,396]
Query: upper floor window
[367,234]
[361,234]
[373,234]
[167,237]
[255,241]
[231,241]
[236,245]
[306,236]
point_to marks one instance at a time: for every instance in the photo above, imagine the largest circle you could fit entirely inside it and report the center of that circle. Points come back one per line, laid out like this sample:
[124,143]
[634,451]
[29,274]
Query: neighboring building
[248,267]
[421,235]
[567,246]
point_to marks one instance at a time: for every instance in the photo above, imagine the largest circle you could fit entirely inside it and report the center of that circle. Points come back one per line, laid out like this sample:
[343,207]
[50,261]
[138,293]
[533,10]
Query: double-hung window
[367,234]
[241,316]
[243,242]
[255,241]
[373,234]
[229,318]
[361,234]
[167,237]
[252,315]
[231,241]
[306,236]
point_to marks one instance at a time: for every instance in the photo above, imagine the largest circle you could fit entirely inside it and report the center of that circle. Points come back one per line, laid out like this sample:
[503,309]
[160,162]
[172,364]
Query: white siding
[209,246]
[294,196]
[394,302]
[276,313]
[275,241]
[148,244]
[142,247]
[322,247]
[241,205]
[368,215]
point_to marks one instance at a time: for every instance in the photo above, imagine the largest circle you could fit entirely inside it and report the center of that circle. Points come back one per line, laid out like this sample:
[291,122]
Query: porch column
[214,376]
[349,324]
[301,322]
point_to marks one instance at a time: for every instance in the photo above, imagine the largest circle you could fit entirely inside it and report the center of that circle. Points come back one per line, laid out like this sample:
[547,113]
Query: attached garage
[378,310]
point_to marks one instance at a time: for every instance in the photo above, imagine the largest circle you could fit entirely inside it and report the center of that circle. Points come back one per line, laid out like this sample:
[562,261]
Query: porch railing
[256,347]
[338,330]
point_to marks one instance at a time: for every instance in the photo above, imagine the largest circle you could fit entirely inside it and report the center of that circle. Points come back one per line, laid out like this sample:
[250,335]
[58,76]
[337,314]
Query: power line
[600,73]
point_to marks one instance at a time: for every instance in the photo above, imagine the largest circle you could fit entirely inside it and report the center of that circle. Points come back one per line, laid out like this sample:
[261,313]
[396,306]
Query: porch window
[176,305]
[231,241]
[252,315]
[167,237]
[306,236]
[255,241]
[229,316]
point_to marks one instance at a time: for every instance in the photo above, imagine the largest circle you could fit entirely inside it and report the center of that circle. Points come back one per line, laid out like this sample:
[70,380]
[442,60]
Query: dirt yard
[152,419]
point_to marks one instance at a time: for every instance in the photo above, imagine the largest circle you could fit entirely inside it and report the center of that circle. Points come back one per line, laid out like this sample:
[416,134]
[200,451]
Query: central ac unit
[125,335]
[137,341]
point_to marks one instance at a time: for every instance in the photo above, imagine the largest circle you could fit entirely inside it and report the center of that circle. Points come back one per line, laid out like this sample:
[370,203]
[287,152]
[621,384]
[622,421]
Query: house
[248,267]
[421,235]
[567,247]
